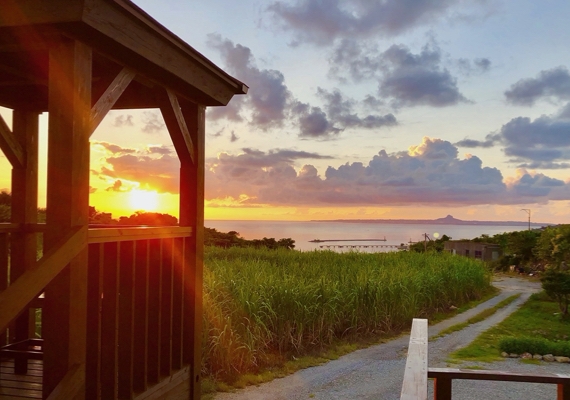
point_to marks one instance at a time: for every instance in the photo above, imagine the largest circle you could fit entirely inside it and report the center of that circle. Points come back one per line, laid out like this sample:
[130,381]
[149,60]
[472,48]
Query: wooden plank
[140,340]
[192,214]
[70,385]
[125,32]
[563,391]
[24,211]
[18,295]
[491,375]
[4,240]
[127,334]
[94,294]
[177,303]
[414,386]
[10,146]
[166,307]
[164,389]
[129,234]
[154,310]
[25,12]
[69,106]
[177,128]
[110,97]
[109,322]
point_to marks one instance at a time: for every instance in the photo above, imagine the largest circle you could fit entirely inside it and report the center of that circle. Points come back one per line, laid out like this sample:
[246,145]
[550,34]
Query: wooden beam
[414,386]
[21,292]
[71,385]
[177,127]
[24,211]
[130,234]
[192,214]
[110,97]
[64,317]
[9,144]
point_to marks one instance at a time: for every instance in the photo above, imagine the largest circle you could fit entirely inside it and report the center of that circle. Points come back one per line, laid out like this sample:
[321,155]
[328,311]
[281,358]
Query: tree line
[211,236]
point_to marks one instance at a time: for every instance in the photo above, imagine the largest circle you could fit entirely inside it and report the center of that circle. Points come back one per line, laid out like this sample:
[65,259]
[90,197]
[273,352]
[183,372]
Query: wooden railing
[137,297]
[414,386]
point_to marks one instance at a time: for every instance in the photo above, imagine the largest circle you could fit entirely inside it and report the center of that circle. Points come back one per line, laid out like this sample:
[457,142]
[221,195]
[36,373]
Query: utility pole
[528,212]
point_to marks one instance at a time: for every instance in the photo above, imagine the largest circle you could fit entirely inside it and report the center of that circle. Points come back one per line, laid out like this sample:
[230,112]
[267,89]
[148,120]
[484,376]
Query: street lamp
[528,212]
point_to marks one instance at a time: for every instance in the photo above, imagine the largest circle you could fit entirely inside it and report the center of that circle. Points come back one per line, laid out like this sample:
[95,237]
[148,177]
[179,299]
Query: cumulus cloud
[123,120]
[406,78]
[540,143]
[152,122]
[268,95]
[234,137]
[159,149]
[418,79]
[270,103]
[429,173]
[113,148]
[552,84]
[475,67]
[322,21]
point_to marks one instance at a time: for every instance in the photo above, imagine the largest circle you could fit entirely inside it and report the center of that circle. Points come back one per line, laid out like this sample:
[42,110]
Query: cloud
[123,120]
[553,84]
[407,79]
[159,149]
[477,66]
[323,21]
[268,95]
[113,148]
[418,79]
[152,122]
[117,187]
[430,173]
[341,112]
[233,137]
[542,143]
[154,173]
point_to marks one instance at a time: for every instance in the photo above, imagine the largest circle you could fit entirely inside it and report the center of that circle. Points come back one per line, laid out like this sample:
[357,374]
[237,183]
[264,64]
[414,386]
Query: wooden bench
[417,372]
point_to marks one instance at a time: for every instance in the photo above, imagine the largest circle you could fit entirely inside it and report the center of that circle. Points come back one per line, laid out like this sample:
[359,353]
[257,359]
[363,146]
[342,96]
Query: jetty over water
[363,246]
[347,240]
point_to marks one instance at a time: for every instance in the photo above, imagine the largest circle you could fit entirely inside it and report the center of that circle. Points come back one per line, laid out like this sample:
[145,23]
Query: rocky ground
[377,372]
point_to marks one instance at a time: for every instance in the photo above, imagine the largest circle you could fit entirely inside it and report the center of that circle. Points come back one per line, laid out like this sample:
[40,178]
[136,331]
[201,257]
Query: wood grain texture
[104,235]
[192,214]
[414,386]
[18,295]
[71,385]
[177,128]
[110,97]
[10,146]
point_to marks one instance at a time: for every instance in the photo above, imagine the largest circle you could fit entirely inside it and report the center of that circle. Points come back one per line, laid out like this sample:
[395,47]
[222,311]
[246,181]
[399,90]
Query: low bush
[534,345]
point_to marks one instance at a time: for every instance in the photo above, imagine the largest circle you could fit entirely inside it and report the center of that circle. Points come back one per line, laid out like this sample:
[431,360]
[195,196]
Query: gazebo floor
[27,386]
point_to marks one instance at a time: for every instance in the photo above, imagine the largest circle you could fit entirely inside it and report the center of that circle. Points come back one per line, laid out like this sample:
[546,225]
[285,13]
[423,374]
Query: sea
[354,236]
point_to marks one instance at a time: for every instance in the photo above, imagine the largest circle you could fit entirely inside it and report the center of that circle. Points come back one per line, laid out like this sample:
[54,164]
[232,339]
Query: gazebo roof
[121,35]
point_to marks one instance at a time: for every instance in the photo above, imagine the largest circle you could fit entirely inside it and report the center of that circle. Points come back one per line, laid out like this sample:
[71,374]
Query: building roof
[121,35]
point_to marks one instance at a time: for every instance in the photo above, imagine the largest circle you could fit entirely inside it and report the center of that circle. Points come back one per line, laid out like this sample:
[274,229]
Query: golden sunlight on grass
[143,200]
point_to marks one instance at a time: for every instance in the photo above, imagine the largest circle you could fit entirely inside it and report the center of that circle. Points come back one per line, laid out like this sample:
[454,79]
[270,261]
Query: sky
[360,109]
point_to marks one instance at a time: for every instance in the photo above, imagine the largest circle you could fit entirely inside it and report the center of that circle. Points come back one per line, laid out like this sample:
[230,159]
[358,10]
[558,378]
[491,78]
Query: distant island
[449,220]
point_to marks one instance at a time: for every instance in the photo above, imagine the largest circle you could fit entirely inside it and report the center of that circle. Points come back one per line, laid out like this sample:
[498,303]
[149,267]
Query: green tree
[556,283]
[149,218]
[553,246]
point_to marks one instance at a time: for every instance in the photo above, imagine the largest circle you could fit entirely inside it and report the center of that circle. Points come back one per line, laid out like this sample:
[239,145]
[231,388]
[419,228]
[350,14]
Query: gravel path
[377,372]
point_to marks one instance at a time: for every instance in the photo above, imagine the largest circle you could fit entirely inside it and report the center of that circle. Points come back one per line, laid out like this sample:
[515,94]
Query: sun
[143,200]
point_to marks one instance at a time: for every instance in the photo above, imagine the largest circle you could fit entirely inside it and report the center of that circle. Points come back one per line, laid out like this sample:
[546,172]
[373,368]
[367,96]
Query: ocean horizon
[353,233]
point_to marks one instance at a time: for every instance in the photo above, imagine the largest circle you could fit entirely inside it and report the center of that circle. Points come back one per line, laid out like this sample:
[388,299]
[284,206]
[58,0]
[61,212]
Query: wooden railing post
[442,388]
[563,391]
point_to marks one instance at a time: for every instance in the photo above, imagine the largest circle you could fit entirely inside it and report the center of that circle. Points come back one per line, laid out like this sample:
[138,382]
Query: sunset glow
[143,200]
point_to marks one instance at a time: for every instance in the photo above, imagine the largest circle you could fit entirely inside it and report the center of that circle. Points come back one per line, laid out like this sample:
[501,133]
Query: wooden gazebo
[121,307]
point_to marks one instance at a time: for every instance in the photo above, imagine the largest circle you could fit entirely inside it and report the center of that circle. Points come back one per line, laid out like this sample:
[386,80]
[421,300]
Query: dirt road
[377,372]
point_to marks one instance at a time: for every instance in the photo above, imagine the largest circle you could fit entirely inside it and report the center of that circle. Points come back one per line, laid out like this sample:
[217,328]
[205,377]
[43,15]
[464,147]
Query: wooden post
[563,391]
[24,211]
[192,214]
[65,309]
[442,388]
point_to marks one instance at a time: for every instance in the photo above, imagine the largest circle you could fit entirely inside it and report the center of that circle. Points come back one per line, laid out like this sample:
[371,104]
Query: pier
[347,240]
[363,246]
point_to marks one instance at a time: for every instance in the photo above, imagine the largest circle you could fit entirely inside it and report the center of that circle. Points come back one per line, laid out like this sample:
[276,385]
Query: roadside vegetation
[537,321]
[265,307]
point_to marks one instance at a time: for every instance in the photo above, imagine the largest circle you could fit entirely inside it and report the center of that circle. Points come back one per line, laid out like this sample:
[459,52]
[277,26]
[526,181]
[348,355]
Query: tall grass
[260,305]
